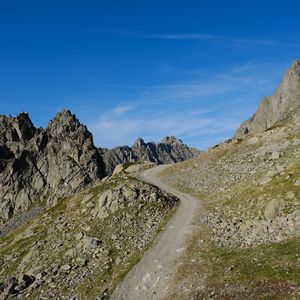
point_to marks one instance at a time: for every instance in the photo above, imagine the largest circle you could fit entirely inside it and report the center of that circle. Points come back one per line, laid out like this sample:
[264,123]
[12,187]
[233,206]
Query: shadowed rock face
[169,150]
[46,163]
[283,106]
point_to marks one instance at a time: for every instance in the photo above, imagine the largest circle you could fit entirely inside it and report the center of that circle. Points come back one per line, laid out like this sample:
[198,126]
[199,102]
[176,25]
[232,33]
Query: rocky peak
[295,69]
[64,114]
[25,126]
[64,122]
[171,140]
[291,80]
[44,163]
[282,107]
[15,129]
[169,150]
[139,143]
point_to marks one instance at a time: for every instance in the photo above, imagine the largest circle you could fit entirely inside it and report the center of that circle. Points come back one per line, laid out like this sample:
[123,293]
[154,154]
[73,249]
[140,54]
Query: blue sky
[128,69]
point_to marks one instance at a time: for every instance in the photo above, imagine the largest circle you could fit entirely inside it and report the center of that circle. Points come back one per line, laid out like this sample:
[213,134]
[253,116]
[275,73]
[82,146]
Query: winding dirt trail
[150,278]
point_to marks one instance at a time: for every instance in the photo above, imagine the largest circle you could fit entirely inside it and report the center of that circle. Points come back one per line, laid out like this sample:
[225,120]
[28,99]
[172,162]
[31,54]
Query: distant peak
[65,113]
[291,78]
[294,70]
[296,63]
[64,116]
[24,119]
[283,106]
[64,119]
[170,140]
[139,143]
[21,123]
[23,115]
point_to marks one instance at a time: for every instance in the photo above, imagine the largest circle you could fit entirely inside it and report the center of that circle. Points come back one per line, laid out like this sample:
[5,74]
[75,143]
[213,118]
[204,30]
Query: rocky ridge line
[169,150]
[280,108]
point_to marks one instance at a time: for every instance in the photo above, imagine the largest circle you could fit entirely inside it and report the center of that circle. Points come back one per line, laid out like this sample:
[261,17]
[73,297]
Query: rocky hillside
[247,243]
[169,150]
[41,165]
[282,107]
[37,164]
[82,247]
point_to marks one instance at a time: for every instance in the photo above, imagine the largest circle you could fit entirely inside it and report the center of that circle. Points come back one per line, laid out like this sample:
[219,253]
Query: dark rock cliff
[49,163]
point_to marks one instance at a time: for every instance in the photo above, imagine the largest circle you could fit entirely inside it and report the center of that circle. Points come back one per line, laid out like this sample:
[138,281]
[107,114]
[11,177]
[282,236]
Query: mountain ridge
[45,164]
[169,150]
[281,107]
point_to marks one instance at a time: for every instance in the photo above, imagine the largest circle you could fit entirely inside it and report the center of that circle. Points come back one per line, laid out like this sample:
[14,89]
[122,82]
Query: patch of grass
[251,199]
[276,261]
[232,268]
[129,164]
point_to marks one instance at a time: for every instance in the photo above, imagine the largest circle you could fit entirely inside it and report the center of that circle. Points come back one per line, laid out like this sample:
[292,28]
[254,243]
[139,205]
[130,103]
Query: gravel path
[150,278]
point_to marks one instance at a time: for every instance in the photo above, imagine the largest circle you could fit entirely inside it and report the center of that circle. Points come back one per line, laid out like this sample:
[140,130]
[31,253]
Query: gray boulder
[273,209]
[90,243]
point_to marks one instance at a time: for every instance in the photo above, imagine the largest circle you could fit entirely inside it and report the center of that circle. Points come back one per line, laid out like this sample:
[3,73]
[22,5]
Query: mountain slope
[83,246]
[169,150]
[283,106]
[247,243]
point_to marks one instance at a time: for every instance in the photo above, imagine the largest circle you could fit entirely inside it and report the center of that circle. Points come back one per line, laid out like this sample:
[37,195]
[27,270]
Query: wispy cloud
[121,109]
[202,85]
[212,38]
[202,112]
[115,130]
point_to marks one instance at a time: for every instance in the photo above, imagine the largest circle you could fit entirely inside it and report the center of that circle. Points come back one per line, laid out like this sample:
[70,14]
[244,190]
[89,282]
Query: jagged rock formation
[38,163]
[282,107]
[169,150]
[45,164]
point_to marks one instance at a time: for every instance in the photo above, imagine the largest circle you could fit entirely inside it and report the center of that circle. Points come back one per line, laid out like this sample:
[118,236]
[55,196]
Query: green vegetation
[276,261]
[267,266]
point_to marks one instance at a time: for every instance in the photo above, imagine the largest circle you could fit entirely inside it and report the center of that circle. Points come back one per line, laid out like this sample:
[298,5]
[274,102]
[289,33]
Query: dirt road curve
[149,279]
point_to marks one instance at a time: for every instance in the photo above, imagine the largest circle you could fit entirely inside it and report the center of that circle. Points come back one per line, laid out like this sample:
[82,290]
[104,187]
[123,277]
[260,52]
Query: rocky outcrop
[282,107]
[169,150]
[37,164]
